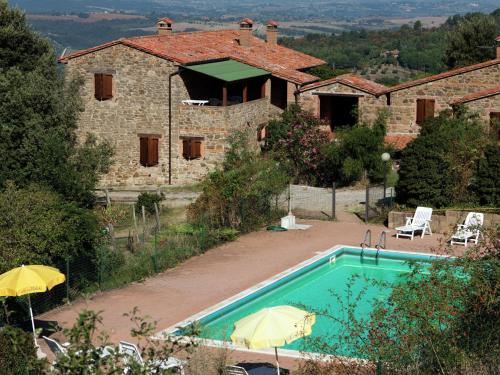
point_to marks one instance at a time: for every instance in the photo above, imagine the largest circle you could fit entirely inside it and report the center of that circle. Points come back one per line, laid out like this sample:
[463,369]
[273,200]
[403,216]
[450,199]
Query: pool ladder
[367,242]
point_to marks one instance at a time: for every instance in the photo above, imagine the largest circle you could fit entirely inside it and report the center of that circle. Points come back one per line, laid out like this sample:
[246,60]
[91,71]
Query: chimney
[497,40]
[246,32]
[164,26]
[272,32]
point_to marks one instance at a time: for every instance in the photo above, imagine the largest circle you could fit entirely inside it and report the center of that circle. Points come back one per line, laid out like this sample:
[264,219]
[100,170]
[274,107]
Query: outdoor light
[385,158]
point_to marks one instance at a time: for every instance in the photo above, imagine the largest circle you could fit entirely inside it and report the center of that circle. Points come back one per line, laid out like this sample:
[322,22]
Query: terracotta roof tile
[399,141]
[272,23]
[478,95]
[447,74]
[246,21]
[166,20]
[350,80]
[196,47]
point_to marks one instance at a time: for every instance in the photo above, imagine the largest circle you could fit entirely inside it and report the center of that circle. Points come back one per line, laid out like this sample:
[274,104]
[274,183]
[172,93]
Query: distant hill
[283,10]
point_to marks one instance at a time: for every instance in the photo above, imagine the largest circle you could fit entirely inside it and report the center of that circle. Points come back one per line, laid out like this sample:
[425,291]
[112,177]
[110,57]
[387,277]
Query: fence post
[111,230]
[289,198]
[143,224]
[367,202]
[108,199]
[135,224]
[334,201]
[157,215]
[67,280]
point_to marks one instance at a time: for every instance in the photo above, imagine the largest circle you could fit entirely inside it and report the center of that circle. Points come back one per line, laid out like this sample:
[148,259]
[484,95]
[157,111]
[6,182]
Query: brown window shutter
[196,149]
[98,86]
[420,111]
[107,86]
[152,151]
[186,149]
[144,151]
[429,108]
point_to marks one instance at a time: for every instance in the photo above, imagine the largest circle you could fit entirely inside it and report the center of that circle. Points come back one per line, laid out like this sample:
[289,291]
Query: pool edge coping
[165,333]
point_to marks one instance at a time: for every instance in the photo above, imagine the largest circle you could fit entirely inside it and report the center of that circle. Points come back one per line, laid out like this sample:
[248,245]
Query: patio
[223,272]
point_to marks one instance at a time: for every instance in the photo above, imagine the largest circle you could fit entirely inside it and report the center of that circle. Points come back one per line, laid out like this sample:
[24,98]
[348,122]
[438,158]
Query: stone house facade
[407,104]
[167,103]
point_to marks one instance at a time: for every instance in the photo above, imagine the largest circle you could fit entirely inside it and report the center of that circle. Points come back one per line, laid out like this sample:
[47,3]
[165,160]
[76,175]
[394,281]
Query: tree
[471,40]
[38,227]
[38,117]
[438,167]
[487,181]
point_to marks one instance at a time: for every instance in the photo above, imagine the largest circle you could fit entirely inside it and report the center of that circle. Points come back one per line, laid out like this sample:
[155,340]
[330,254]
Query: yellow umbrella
[29,279]
[273,327]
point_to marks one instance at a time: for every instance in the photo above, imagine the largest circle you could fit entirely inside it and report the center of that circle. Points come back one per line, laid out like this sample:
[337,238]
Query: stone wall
[214,125]
[369,105]
[139,106]
[403,108]
[483,107]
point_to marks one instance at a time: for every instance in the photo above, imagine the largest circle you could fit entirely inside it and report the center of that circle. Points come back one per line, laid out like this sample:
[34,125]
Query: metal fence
[310,202]
[92,272]
[378,200]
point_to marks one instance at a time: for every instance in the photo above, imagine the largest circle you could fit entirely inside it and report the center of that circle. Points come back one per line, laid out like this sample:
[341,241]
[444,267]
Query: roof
[200,46]
[477,95]
[399,141]
[166,20]
[351,80]
[447,74]
[228,70]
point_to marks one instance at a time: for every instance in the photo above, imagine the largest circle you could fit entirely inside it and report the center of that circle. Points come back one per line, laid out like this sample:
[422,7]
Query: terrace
[223,83]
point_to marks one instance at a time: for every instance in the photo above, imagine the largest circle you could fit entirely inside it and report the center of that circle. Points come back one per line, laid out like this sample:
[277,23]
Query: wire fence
[310,202]
[130,240]
[378,201]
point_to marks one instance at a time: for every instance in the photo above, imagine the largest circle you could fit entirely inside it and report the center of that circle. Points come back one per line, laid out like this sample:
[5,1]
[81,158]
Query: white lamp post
[385,158]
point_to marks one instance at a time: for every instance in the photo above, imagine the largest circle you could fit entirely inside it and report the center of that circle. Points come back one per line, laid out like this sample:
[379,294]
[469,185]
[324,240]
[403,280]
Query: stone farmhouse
[168,102]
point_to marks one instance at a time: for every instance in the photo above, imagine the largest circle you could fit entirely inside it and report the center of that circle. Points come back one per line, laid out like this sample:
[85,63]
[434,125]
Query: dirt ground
[222,272]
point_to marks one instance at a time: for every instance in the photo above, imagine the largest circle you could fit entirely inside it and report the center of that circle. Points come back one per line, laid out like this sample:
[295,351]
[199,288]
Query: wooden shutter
[420,111]
[144,151]
[195,149]
[429,108]
[152,152]
[186,149]
[98,86]
[107,86]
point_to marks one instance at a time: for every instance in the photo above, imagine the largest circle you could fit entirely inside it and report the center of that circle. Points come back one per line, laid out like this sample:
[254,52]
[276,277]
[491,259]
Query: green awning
[228,70]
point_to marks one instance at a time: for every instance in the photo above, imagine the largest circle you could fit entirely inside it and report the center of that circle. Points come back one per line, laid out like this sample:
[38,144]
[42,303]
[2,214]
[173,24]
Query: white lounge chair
[469,230]
[56,347]
[420,222]
[129,349]
[236,370]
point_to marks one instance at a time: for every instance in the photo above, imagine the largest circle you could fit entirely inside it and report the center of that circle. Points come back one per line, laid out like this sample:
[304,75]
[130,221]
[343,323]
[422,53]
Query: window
[425,110]
[495,125]
[148,150]
[103,86]
[191,148]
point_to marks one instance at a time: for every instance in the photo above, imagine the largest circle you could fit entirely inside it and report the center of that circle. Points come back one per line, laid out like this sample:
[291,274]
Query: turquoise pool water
[321,286]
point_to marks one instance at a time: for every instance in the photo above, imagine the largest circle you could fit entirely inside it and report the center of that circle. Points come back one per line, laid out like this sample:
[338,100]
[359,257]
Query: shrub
[298,142]
[148,200]
[38,227]
[242,194]
[438,167]
[18,354]
[487,183]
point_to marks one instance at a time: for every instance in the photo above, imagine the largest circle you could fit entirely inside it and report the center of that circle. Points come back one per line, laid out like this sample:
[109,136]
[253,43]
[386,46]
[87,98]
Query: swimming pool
[323,283]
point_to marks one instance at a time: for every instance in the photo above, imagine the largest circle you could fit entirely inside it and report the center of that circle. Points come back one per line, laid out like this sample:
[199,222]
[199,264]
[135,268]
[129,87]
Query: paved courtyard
[222,272]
